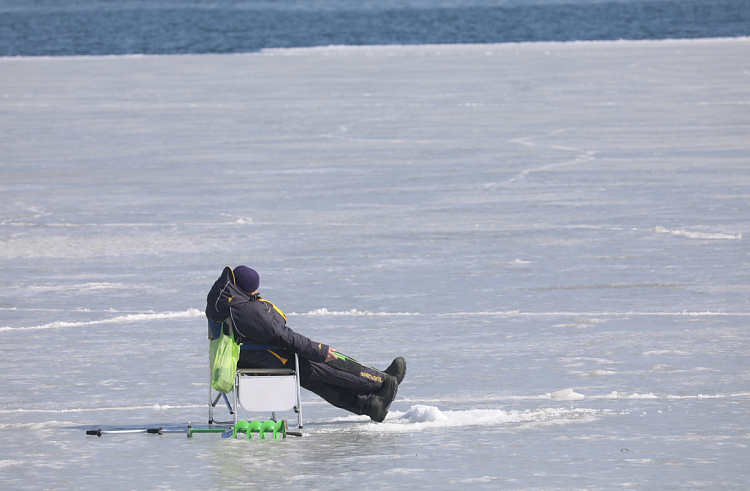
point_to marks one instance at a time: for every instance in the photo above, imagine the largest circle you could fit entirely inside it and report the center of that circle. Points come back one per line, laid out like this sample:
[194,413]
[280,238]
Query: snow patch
[695,235]
[599,372]
[11,463]
[114,320]
[518,261]
[352,312]
[420,417]
[81,287]
[566,395]
[642,396]
[421,414]
[156,407]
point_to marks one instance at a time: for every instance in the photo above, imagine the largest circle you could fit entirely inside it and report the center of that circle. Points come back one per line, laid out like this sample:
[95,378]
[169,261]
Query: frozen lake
[553,235]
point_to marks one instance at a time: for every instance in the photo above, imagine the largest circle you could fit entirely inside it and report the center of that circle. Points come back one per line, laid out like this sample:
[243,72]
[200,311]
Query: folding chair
[258,389]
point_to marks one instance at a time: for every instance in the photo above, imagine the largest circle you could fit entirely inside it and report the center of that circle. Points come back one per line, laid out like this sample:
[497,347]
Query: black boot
[382,400]
[397,369]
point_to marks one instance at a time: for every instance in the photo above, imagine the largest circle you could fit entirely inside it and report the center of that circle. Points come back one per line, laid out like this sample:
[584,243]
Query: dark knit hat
[246,278]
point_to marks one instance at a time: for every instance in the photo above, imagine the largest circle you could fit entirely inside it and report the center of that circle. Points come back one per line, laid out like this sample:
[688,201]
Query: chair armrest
[258,347]
[265,371]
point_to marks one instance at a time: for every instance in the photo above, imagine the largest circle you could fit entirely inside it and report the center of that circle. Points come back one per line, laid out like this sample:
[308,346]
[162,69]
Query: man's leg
[343,383]
[349,400]
[347,374]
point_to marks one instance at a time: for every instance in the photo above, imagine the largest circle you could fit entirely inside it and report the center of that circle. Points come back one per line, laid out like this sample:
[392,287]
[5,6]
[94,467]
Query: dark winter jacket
[257,320]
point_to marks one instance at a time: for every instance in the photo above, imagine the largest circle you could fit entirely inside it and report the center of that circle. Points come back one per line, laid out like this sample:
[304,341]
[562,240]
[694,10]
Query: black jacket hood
[224,294]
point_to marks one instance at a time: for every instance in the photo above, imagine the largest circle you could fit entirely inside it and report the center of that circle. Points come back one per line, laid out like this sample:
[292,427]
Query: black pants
[345,384]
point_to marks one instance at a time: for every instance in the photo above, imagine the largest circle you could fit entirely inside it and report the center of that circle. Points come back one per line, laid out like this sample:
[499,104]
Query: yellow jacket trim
[274,307]
[283,360]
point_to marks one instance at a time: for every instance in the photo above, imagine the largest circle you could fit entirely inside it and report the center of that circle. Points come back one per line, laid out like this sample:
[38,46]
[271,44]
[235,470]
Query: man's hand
[331,355]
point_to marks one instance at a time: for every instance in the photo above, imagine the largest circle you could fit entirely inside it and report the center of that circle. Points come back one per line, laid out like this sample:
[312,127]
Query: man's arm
[306,347]
[265,325]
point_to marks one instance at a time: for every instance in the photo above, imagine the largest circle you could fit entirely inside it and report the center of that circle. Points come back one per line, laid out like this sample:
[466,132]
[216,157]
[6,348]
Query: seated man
[336,378]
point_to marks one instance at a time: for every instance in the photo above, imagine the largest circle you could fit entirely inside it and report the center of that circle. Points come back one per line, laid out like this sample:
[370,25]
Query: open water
[100,27]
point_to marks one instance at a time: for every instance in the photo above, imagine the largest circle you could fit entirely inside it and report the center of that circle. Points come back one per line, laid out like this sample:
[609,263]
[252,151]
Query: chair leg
[229,406]
[299,396]
[211,402]
[236,398]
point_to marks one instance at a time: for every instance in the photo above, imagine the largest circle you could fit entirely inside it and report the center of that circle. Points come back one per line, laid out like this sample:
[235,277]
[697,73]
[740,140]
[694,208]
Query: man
[339,380]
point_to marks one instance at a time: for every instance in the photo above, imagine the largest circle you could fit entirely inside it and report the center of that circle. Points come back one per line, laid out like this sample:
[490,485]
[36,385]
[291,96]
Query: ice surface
[515,220]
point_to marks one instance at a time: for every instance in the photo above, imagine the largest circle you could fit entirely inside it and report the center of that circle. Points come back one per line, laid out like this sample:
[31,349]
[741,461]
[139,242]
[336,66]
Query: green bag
[224,353]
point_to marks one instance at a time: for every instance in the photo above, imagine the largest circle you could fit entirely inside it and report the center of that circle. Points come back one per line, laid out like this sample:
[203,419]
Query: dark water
[81,27]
